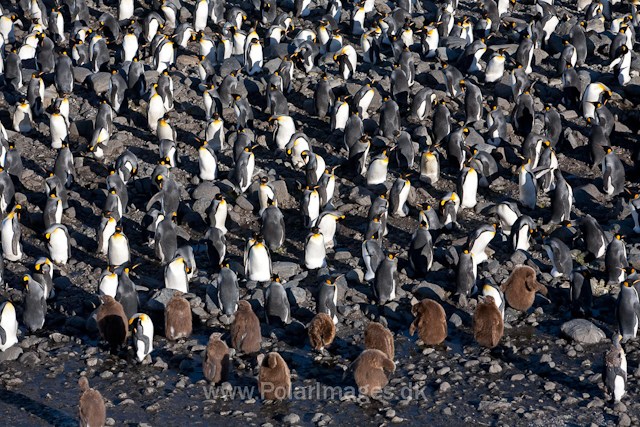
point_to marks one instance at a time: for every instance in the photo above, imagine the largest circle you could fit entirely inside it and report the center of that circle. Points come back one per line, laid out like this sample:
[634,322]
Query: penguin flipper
[147,344]
[14,243]
[155,198]
[3,336]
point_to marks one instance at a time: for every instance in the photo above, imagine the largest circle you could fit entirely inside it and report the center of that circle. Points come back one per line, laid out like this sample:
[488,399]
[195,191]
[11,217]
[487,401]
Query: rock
[583,331]
[291,419]
[80,74]
[243,203]
[455,320]
[299,295]
[99,82]
[518,257]
[158,302]
[206,190]
[624,420]
[284,269]
[230,65]
[30,358]
[10,354]
[493,406]
[361,196]
[429,290]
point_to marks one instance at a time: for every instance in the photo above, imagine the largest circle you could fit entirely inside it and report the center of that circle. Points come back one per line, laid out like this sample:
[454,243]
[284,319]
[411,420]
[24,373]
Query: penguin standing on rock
[421,250]
[11,233]
[430,322]
[521,233]
[386,280]
[112,322]
[380,338]
[177,318]
[91,409]
[561,200]
[35,307]
[472,101]
[488,325]
[528,186]
[580,291]
[245,329]
[327,300]
[466,276]
[321,331]
[276,305]
[314,250]
[216,363]
[398,197]
[628,310]
[141,335]
[274,380]
[560,255]
[616,260]
[521,287]
[227,290]
[369,372]
[593,236]
[8,326]
[467,187]
[613,173]
[615,369]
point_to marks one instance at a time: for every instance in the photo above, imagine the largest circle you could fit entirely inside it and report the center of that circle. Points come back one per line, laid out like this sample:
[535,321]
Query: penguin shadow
[51,415]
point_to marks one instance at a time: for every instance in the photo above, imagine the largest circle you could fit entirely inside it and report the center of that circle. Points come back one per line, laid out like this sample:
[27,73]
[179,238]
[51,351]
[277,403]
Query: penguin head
[275,278]
[159,180]
[219,197]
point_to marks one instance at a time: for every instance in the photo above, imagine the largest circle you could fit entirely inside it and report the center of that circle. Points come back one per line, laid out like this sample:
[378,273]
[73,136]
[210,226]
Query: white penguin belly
[176,277]
[221,217]
[10,324]
[208,166]
[377,172]
[315,253]
[258,262]
[314,208]
[469,190]
[7,239]
[402,209]
[108,286]
[327,227]
[523,239]
[58,246]
[618,390]
[366,258]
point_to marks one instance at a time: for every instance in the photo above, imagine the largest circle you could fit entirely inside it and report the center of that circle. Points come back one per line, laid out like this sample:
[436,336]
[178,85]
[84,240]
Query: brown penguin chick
[177,318]
[245,329]
[521,287]
[112,322]
[322,331]
[380,338]
[91,408]
[430,321]
[369,371]
[487,323]
[274,381]
[215,365]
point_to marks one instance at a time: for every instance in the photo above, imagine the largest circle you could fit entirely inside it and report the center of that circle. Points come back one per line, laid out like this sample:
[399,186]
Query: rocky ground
[538,375]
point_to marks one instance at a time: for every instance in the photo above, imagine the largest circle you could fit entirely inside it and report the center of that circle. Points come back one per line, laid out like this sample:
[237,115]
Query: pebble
[291,419]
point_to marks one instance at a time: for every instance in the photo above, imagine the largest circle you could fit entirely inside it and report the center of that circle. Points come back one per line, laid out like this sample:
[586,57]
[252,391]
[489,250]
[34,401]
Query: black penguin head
[275,278]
